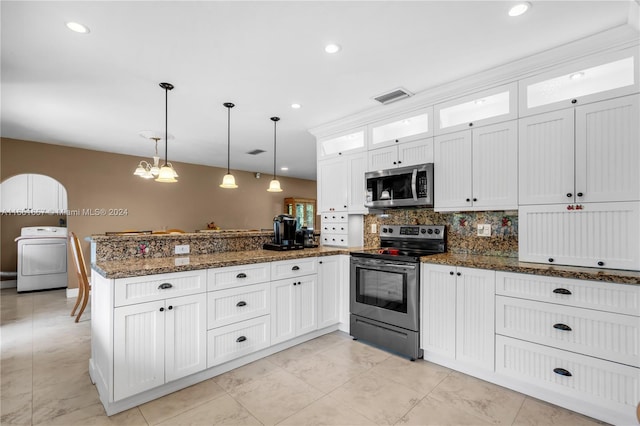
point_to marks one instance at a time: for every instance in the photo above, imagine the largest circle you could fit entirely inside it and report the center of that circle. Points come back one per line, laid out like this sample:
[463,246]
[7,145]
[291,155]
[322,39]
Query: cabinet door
[417,152]
[452,171]
[475,312]
[438,314]
[339,144]
[546,158]
[382,158]
[332,185]
[138,348]
[329,287]
[608,151]
[416,125]
[357,166]
[495,167]
[186,336]
[306,305]
[282,310]
[14,193]
[598,235]
[44,192]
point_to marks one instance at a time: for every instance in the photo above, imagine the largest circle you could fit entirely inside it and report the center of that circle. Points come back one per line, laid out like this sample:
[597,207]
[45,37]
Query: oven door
[386,291]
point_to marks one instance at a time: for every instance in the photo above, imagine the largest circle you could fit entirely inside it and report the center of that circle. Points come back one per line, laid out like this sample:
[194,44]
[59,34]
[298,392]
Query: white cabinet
[478,109]
[584,154]
[341,185]
[458,306]
[401,155]
[157,342]
[33,192]
[356,186]
[330,284]
[342,143]
[477,169]
[599,235]
[601,77]
[294,307]
[408,127]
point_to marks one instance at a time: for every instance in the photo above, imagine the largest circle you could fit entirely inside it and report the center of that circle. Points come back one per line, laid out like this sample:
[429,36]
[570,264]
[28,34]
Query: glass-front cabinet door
[612,75]
[408,127]
[342,143]
[478,109]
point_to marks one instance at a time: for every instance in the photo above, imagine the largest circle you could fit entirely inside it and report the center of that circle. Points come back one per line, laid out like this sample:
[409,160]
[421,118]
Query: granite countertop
[136,267]
[511,264]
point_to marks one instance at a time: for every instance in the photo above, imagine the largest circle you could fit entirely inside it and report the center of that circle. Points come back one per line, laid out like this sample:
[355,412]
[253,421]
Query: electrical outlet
[374,228]
[484,230]
[182,249]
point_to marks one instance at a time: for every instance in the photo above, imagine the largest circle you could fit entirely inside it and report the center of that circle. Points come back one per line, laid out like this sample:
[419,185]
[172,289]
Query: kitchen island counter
[511,264]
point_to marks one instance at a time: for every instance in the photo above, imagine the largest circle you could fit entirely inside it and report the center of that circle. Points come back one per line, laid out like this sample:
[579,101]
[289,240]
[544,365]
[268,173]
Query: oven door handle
[378,264]
[414,178]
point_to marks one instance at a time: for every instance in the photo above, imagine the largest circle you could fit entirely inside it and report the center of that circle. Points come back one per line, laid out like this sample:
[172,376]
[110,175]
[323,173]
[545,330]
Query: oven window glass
[387,290]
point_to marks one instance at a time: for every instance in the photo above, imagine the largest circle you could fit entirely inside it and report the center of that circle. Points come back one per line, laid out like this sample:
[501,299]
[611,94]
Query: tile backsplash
[461,229]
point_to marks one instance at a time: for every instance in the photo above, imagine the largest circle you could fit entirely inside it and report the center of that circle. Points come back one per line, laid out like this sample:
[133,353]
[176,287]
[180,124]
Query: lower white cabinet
[458,308]
[293,307]
[238,339]
[157,342]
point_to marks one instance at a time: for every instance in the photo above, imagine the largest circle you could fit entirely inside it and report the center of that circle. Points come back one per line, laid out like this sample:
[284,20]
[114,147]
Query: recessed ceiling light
[296,106]
[519,8]
[284,169]
[332,48]
[78,28]
[576,75]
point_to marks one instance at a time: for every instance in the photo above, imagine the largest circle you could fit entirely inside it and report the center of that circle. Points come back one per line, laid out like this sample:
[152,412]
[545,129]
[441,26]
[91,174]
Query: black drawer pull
[165,286]
[295,268]
[451,273]
[241,339]
[562,327]
[601,263]
[241,275]
[561,291]
[161,309]
[241,303]
[562,372]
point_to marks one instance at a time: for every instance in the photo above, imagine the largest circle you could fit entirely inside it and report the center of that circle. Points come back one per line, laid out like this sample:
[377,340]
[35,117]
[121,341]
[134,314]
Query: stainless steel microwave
[402,187]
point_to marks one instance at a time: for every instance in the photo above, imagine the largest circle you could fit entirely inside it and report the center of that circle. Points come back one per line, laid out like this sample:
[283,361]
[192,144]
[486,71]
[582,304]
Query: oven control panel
[413,231]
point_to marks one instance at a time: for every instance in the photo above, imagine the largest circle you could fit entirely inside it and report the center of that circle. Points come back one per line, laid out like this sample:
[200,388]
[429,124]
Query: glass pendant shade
[274,186]
[155,169]
[167,174]
[228,181]
[140,170]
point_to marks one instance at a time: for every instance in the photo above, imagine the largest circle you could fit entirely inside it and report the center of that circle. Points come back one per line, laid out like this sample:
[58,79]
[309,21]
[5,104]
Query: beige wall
[96,180]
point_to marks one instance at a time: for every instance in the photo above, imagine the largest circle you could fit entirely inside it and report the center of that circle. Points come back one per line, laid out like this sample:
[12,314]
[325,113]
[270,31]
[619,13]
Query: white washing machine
[42,258]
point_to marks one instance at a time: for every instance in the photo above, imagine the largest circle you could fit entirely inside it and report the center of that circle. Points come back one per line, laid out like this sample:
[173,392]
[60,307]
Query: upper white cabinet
[401,155]
[33,192]
[607,76]
[477,169]
[341,184]
[342,143]
[583,154]
[478,109]
[406,128]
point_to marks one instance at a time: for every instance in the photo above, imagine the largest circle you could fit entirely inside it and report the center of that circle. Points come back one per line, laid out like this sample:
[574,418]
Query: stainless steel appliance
[305,237]
[401,187]
[284,234]
[385,287]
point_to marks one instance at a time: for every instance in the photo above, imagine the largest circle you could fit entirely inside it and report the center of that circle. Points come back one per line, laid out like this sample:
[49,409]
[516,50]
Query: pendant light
[167,173]
[274,185]
[147,170]
[228,181]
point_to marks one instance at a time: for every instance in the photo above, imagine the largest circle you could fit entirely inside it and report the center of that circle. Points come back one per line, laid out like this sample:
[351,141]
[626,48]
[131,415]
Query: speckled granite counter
[136,266]
[511,264]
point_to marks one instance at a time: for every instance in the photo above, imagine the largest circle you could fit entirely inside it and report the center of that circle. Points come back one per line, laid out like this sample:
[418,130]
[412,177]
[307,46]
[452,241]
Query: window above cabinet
[406,128]
[347,142]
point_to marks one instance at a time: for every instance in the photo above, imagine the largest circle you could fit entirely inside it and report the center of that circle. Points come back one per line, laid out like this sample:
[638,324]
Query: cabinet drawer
[156,287]
[225,307]
[293,268]
[331,239]
[234,276]
[335,227]
[605,335]
[236,340]
[335,217]
[606,384]
[618,298]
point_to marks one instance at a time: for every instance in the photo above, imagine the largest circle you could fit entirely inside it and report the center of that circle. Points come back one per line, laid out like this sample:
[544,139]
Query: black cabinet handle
[241,275]
[294,283]
[295,268]
[562,372]
[394,162]
[475,199]
[468,199]
[165,286]
[600,263]
[299,282]
[451,273]
[241,303]
[562,327]
[551,259]
[241,339]
[399,162]
[458,273]
[397,141]
[569,195]
[470,124]
[574,101]
[170,307]
[579,194]
[320,262]
[561,291]
[161,309]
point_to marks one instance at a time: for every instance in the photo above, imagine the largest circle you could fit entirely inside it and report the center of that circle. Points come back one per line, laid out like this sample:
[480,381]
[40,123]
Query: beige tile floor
[331,380]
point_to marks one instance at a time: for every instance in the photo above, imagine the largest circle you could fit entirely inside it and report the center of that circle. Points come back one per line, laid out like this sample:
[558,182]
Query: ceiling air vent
[392,96]
[256,151]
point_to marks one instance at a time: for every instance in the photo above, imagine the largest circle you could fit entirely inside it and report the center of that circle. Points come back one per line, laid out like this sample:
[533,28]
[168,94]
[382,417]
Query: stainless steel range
[385,287]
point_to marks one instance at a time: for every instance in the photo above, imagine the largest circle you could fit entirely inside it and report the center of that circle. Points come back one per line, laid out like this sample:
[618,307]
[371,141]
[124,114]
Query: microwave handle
[414,177]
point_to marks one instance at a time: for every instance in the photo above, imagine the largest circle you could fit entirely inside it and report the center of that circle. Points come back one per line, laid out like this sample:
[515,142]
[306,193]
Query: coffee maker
[284,234]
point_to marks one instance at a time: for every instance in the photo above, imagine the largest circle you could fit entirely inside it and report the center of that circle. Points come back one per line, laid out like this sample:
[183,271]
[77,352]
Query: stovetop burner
[407,242]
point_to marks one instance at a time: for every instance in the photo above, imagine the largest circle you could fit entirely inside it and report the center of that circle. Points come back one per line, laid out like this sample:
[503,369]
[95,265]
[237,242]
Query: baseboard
[8,284]
[72,293]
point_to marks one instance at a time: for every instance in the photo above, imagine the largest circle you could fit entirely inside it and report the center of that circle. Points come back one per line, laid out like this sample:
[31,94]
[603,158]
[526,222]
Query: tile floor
[331,380]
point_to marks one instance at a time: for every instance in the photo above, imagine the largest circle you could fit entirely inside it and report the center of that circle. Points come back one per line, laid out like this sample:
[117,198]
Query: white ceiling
[97,91]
